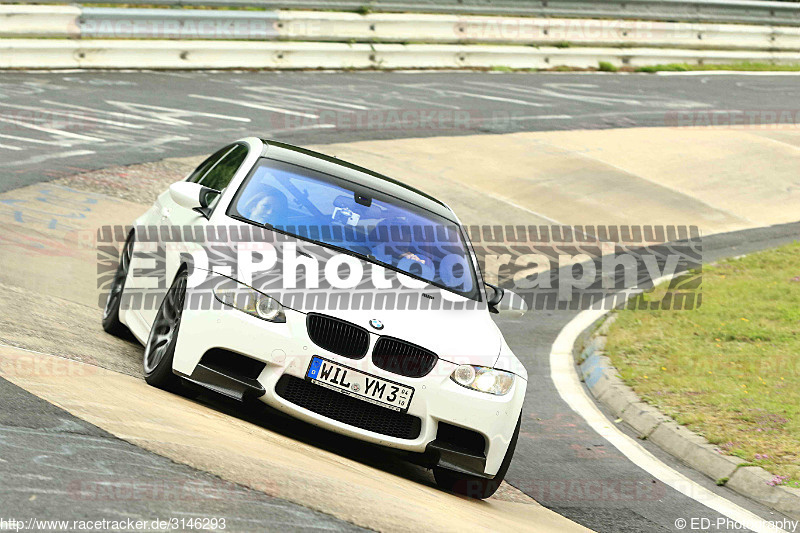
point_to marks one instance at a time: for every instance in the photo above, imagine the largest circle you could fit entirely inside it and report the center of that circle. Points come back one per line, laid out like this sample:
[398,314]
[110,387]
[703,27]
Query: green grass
[605,66]
[729,370]
[364,9]
[744,66]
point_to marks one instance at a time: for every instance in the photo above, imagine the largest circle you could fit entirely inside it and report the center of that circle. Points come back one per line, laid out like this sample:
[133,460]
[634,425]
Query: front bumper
[286,348]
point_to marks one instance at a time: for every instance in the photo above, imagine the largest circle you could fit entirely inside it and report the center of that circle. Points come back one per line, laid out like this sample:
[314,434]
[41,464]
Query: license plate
[359,385]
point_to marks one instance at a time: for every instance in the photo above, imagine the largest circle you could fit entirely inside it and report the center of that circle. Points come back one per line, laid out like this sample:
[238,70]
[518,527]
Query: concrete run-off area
[49,301]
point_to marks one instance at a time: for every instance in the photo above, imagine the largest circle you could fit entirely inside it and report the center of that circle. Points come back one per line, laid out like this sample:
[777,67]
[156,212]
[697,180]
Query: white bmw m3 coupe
[332,293]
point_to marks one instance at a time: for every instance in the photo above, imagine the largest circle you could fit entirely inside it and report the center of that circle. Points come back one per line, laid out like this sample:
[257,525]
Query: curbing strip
[604,382]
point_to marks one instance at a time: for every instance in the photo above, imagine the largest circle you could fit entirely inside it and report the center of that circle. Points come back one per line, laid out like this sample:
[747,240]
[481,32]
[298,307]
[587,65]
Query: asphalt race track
[57,124]
[41,442]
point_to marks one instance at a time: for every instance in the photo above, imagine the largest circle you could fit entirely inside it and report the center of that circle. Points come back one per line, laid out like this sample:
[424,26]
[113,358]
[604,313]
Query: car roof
[364,177]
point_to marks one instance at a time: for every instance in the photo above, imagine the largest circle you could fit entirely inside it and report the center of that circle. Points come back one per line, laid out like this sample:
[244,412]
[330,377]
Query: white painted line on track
[128,116]
[53,131]
[327,103]
[44,110]
[47,156]
[568,384]
[309,127]
[495,98]
[403,97]
[587,92]
[9,147]
[284,101]
[540,91]
[167,114]
[28,140]
[254,106]
[288,93]
[729,73]
[406,98]
[505,88]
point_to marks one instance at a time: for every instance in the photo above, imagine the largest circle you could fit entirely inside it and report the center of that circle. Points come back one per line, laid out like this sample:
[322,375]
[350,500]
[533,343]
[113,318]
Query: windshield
[364,222]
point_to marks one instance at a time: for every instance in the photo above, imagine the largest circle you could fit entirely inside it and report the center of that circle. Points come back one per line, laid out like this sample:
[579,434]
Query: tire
[111,322]
[474,486]
[160,347]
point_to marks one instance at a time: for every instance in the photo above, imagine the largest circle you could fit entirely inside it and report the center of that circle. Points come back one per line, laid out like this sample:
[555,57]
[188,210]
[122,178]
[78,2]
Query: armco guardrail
[191,24]
[410,27]
[154,54]
[121,23]
[721,11]
[39,21]
[86,37]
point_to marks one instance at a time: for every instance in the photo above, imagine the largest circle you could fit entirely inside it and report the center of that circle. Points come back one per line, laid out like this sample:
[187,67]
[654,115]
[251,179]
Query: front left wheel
[160,347]
[111,322]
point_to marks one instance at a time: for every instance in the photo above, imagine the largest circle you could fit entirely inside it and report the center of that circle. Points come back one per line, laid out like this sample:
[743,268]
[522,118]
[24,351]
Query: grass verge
[729,370]
[744,66]
[605,66]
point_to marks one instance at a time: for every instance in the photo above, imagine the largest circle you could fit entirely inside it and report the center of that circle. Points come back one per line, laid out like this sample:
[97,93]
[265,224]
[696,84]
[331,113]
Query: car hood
[455,328]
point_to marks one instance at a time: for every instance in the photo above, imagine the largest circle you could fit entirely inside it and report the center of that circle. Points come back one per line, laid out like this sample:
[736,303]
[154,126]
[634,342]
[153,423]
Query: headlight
[251,302]
[484,379]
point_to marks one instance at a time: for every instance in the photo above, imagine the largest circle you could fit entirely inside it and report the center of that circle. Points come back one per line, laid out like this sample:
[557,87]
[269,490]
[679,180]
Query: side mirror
[495,298]
[192,196]
[505,302]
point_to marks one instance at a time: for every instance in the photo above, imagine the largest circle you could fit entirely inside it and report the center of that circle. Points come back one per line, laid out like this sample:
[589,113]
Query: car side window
[219,175]
[206,165]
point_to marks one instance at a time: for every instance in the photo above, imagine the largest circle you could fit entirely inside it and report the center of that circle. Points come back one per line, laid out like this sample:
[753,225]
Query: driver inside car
[268,205]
